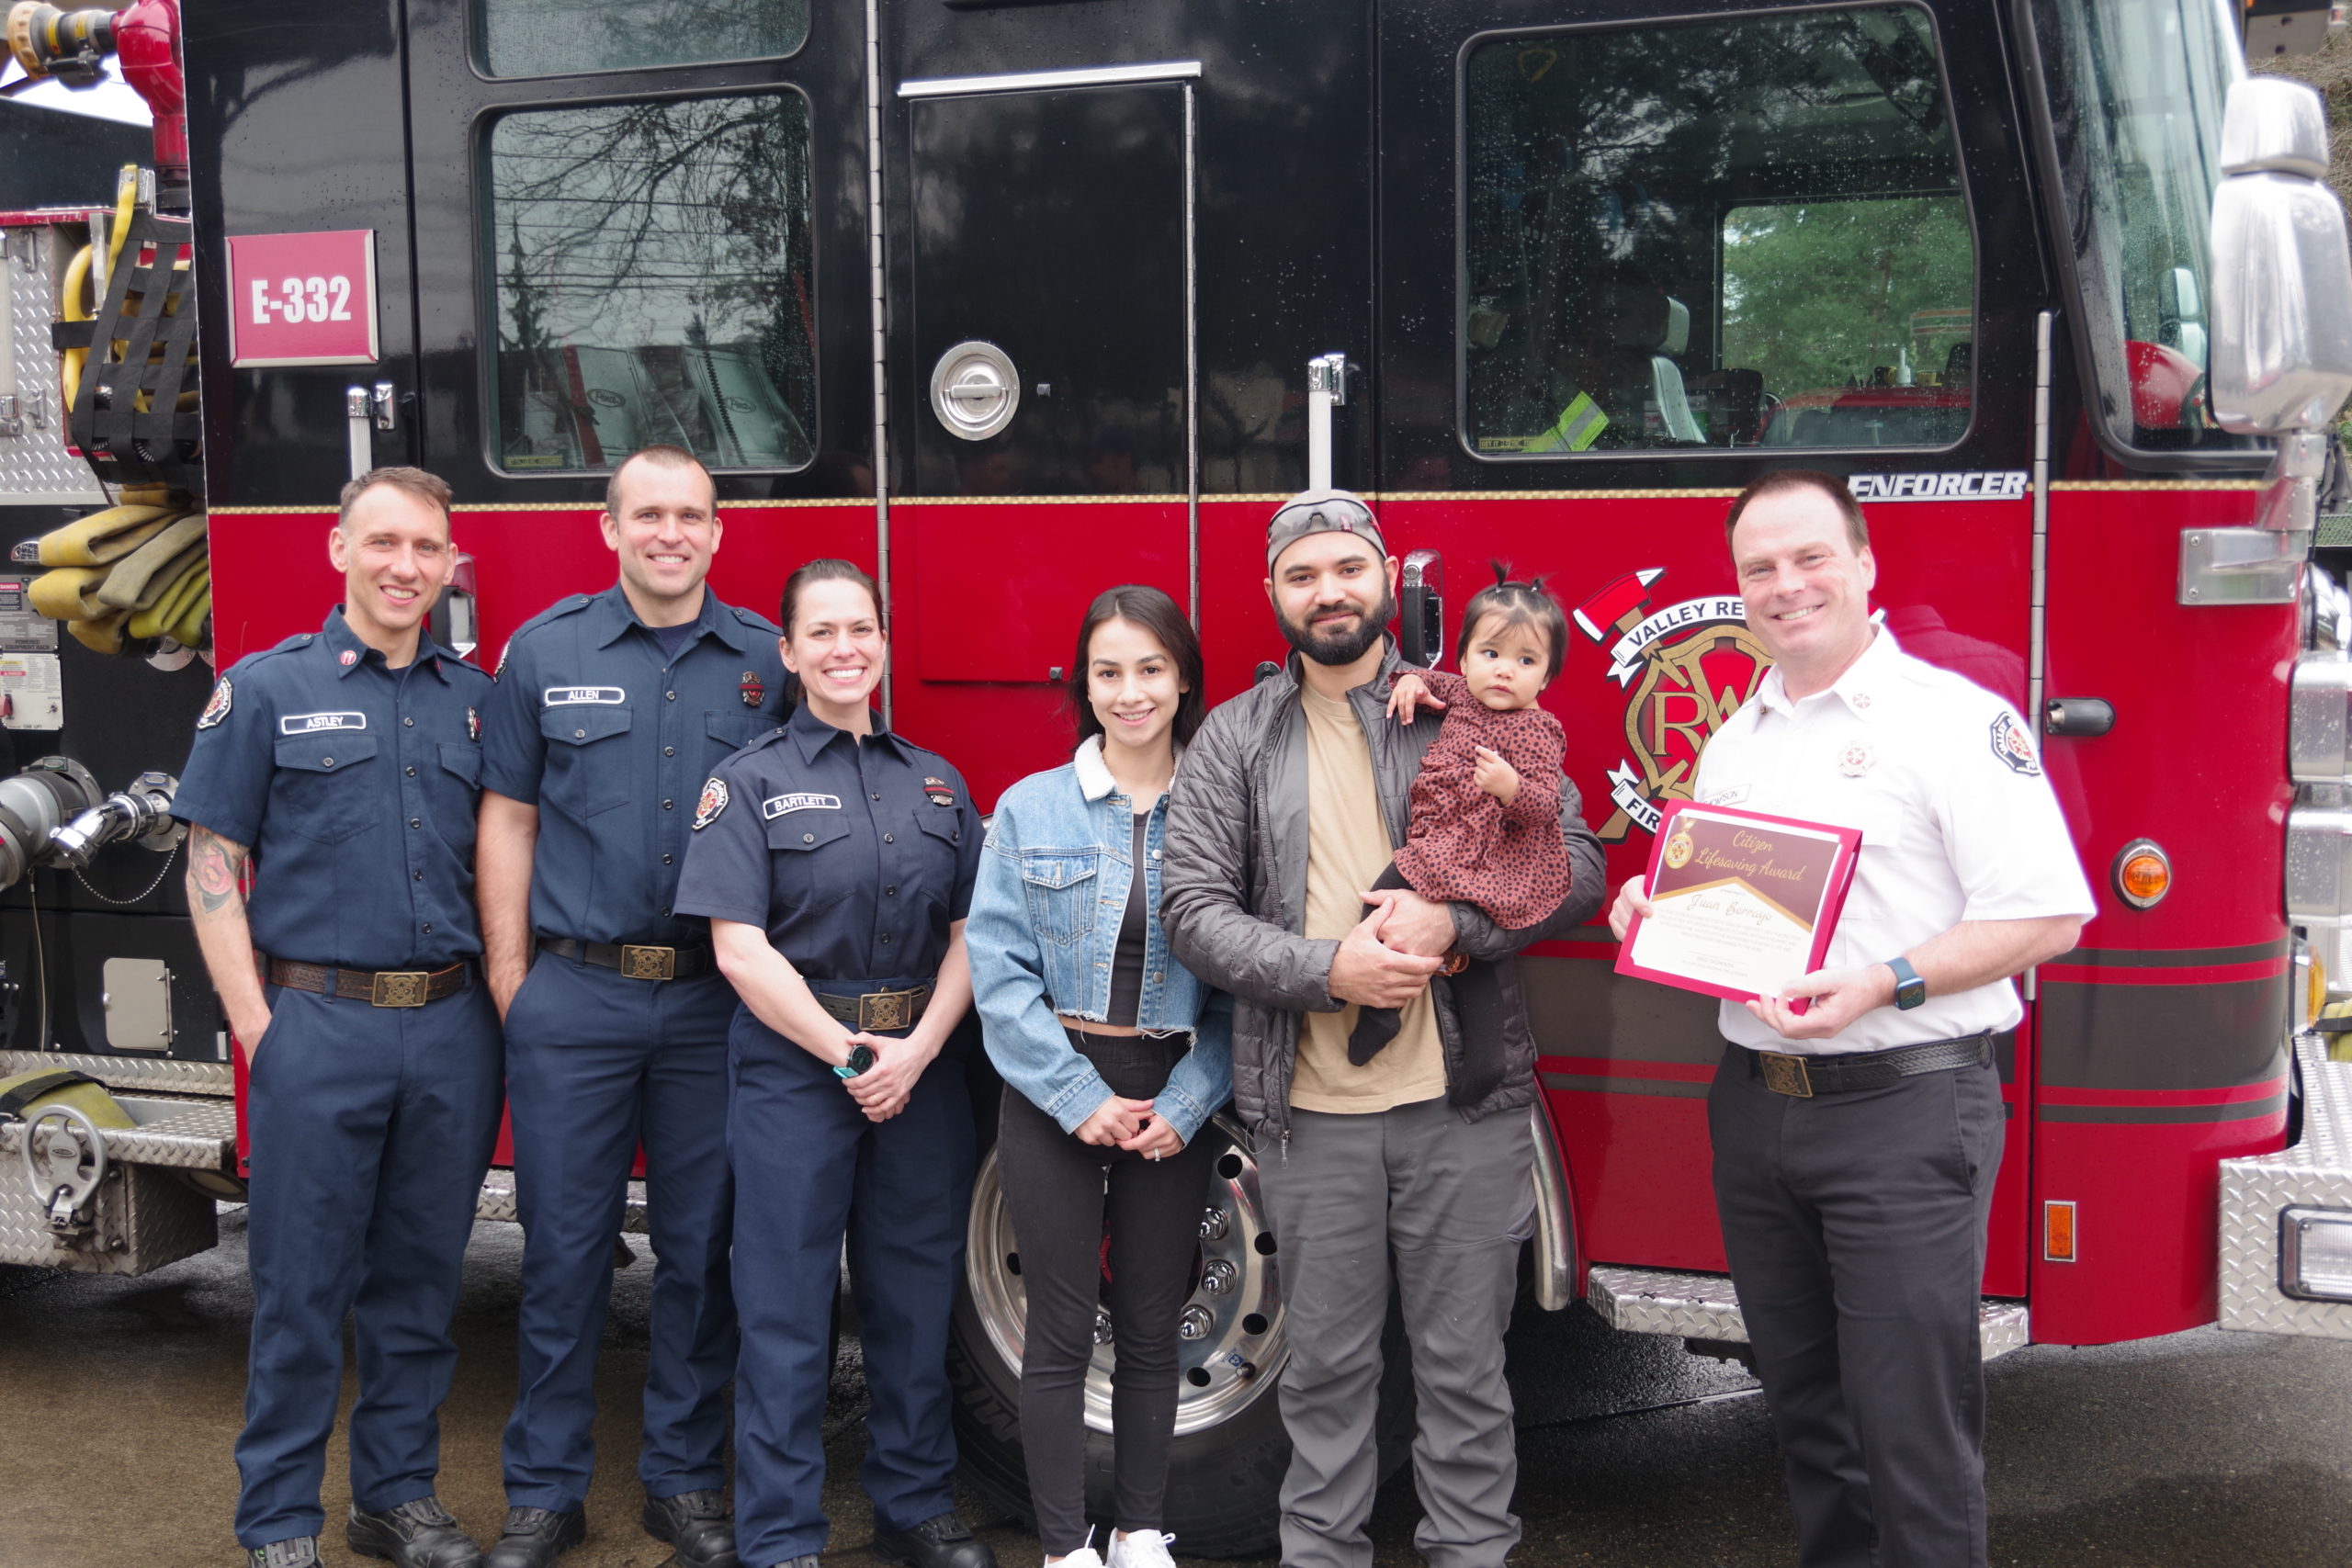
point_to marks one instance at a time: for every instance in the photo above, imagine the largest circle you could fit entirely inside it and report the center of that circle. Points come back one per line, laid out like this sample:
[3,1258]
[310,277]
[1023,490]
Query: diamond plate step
[1703,1307]
[2314,1173]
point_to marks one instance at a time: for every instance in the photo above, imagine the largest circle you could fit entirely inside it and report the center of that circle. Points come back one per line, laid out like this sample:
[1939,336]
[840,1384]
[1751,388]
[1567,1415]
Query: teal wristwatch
[1909,989]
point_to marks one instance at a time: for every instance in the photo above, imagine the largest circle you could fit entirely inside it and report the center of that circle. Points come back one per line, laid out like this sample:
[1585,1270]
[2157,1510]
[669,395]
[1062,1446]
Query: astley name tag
[311,723]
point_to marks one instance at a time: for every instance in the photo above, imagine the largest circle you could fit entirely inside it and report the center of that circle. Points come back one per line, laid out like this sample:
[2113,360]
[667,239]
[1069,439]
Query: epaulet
[466,665]
[756,621]
[571,604]
[294,644]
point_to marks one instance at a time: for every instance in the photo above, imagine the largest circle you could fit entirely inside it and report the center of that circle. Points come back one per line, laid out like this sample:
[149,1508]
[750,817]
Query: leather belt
[878,1009]
[1804,1076]
[637,961]
[377,987]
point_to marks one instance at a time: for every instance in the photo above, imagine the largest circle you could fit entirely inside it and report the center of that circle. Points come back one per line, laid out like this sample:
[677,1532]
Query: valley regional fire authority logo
[1685,669]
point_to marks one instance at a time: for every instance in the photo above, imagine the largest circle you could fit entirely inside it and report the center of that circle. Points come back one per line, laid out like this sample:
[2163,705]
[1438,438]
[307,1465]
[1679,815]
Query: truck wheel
[1225,1464]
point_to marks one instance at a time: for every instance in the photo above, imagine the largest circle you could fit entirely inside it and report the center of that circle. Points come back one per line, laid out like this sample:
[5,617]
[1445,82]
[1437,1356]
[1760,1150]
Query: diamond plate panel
[497,1202]
[144,1219]
[193,1135]
[2315,1173]
[159,1072]
[1704,1306]
[35,467]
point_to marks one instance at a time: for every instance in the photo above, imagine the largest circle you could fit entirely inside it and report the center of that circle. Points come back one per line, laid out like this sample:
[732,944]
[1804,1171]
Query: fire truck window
[2136,89]
[556,38]
[1714,233]
[651,270]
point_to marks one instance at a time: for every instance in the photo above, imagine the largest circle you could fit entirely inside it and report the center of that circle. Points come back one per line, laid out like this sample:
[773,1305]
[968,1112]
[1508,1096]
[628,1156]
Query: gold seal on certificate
[1740,903]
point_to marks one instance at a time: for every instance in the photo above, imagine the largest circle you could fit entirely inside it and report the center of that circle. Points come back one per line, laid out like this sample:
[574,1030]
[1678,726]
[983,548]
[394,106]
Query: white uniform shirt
[1957,823]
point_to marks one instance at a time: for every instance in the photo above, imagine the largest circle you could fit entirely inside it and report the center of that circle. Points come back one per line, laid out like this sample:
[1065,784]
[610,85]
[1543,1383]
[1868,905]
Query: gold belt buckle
[884,1009]
[649,962]
[1784,1074]
[398,988]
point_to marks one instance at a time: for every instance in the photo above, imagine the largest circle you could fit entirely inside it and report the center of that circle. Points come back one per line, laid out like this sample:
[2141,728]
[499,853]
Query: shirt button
[665,859]
[428,928]
[669,750]
[668,806]
[890,893]
[409,723]
[580,735]
[665,911]
[877,797]
[329,762]
[885,939]
[890,838]
[807,838]
[412,773]
[669,697]
[416,821]
[417,875]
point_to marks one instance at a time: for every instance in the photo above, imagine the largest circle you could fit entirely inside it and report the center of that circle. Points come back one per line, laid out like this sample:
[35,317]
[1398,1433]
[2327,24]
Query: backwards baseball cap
[1320,512]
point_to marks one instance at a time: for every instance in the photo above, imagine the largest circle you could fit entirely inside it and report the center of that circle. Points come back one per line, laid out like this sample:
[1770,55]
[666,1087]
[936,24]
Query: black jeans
[1061,1191]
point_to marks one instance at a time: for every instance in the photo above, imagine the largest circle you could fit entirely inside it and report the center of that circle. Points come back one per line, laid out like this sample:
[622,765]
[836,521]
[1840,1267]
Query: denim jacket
[1042,932]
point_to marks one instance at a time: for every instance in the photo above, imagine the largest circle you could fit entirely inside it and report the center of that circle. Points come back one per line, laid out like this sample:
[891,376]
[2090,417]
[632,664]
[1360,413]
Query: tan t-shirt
[1347,849]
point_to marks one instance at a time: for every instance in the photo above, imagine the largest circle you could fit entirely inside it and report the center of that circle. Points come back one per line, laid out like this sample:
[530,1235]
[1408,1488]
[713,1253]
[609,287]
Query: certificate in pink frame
[1825,925]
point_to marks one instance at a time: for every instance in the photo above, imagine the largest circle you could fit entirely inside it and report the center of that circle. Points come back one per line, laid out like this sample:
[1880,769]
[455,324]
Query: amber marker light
[2058,1233]
[2143,872]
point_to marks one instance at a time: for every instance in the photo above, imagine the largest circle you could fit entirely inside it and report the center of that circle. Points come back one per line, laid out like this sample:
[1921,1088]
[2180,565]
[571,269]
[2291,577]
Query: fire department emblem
[2010,744]
[756,691]
[713,802]
[347,657]
[1685,669]
[941,792]
[1855,761]
[217,708]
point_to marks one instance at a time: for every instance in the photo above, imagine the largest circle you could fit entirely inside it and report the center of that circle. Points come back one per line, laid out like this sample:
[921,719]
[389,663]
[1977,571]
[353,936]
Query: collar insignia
[756,691]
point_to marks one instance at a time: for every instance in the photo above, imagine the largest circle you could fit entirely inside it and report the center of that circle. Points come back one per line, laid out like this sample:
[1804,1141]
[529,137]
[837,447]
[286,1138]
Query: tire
[1225,1464]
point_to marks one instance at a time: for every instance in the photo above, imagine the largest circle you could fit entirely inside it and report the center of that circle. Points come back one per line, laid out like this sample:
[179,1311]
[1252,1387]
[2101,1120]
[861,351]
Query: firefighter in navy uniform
[340,769]
[610,711]
[1856,1144]
[836,864]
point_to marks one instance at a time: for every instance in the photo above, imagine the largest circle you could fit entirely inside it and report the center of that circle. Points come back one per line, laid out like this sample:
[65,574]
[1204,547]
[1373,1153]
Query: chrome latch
[12,417]
[381,400]
[64,1161]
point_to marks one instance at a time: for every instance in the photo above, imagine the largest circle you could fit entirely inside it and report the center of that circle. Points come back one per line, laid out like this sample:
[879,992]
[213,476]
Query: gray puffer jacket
[1234,888]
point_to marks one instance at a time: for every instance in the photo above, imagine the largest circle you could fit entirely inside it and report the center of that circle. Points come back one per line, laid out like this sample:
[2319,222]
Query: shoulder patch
[713,802]
[217,708]
[2010,745]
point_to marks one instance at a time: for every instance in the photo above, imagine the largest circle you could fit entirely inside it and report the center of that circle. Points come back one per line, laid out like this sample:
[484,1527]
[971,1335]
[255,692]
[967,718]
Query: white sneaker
[1142,1548]
[1084,1557]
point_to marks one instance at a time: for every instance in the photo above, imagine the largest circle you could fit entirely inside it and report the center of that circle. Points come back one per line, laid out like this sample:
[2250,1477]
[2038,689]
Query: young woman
[835,862]
[1114,1058]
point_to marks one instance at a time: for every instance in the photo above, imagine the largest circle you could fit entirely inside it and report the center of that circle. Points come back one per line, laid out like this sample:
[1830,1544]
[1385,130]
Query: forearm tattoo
[215,867]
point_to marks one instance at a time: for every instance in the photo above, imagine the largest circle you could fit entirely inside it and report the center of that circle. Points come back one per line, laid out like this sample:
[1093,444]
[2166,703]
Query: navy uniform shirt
[853,857]
[611,739]
[355,786]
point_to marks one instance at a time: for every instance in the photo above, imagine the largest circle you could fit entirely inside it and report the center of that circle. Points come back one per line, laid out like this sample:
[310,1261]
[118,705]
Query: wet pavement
[119,1398]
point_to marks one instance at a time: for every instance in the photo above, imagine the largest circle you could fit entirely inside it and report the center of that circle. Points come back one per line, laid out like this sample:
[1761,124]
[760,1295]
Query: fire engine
[1011,301]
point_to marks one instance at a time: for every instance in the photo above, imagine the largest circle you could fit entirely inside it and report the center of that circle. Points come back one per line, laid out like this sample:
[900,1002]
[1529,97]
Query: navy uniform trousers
[371,1128]
[599,1064]
[807,1165]
[1855,1227]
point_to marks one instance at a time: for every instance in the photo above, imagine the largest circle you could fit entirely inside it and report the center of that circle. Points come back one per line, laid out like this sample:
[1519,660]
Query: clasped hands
[1387,959]
[882,1090]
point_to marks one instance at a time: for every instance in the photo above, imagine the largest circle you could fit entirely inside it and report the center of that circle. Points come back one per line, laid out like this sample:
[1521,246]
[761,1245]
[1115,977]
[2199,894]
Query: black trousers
[1855,1226]
[1062,1191]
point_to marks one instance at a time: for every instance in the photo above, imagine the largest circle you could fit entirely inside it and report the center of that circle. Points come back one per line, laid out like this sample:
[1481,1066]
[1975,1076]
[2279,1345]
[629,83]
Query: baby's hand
[1411,689]
[1496,776]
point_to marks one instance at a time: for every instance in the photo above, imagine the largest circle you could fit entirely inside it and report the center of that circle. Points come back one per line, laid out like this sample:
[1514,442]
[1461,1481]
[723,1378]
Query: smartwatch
[862,1057]
[1910,991]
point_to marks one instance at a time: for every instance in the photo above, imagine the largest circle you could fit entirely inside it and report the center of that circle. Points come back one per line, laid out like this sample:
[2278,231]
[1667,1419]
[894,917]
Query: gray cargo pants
[1444,1204]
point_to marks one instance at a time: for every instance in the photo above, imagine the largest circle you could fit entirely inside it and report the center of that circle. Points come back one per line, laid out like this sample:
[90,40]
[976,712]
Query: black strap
[123,443]
[13,1103]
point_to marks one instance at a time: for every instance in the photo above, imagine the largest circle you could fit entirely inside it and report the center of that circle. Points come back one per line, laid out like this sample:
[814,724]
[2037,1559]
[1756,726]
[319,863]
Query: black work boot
[537,1537]
[695,1523]
[938,1542]
[417,1534]
[296,1552]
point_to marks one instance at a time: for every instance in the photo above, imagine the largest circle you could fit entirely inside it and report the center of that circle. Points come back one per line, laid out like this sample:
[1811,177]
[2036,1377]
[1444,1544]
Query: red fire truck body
[1011,302]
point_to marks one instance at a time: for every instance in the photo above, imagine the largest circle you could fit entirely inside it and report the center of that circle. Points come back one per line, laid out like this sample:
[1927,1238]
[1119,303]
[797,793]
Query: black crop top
[1127,963]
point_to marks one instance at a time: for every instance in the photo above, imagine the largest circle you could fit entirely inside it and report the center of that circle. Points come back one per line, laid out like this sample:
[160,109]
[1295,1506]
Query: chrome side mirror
[2281,269]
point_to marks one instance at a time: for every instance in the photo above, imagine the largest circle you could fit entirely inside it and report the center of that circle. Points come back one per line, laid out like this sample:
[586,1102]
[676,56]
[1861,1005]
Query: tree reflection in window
[653,280]
[551,38]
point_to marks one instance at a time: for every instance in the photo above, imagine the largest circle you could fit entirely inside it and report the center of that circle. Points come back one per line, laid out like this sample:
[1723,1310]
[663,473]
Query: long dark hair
[1520,604]
[826,569]
[1156,612]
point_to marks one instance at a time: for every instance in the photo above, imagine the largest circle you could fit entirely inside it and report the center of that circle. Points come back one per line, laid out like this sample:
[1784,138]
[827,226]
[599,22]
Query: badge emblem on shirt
[347,657]
[473,725]
[713,802]
[217,708]
[756,691]
[1855,761]
[1679,849]
[2010,745]
[777,806]
[941,792]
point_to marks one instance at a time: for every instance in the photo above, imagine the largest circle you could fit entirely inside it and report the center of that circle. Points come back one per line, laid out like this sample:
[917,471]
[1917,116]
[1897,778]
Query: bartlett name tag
[1741,903]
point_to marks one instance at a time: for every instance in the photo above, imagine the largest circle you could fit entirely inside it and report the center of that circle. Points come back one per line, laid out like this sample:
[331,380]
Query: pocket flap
[806,829]
[325,751]
[462,758]
[737,730]
[581,723]
[1064,870]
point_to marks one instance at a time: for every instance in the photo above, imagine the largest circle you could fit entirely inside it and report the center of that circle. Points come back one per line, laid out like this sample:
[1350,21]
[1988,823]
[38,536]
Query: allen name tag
[576,696]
